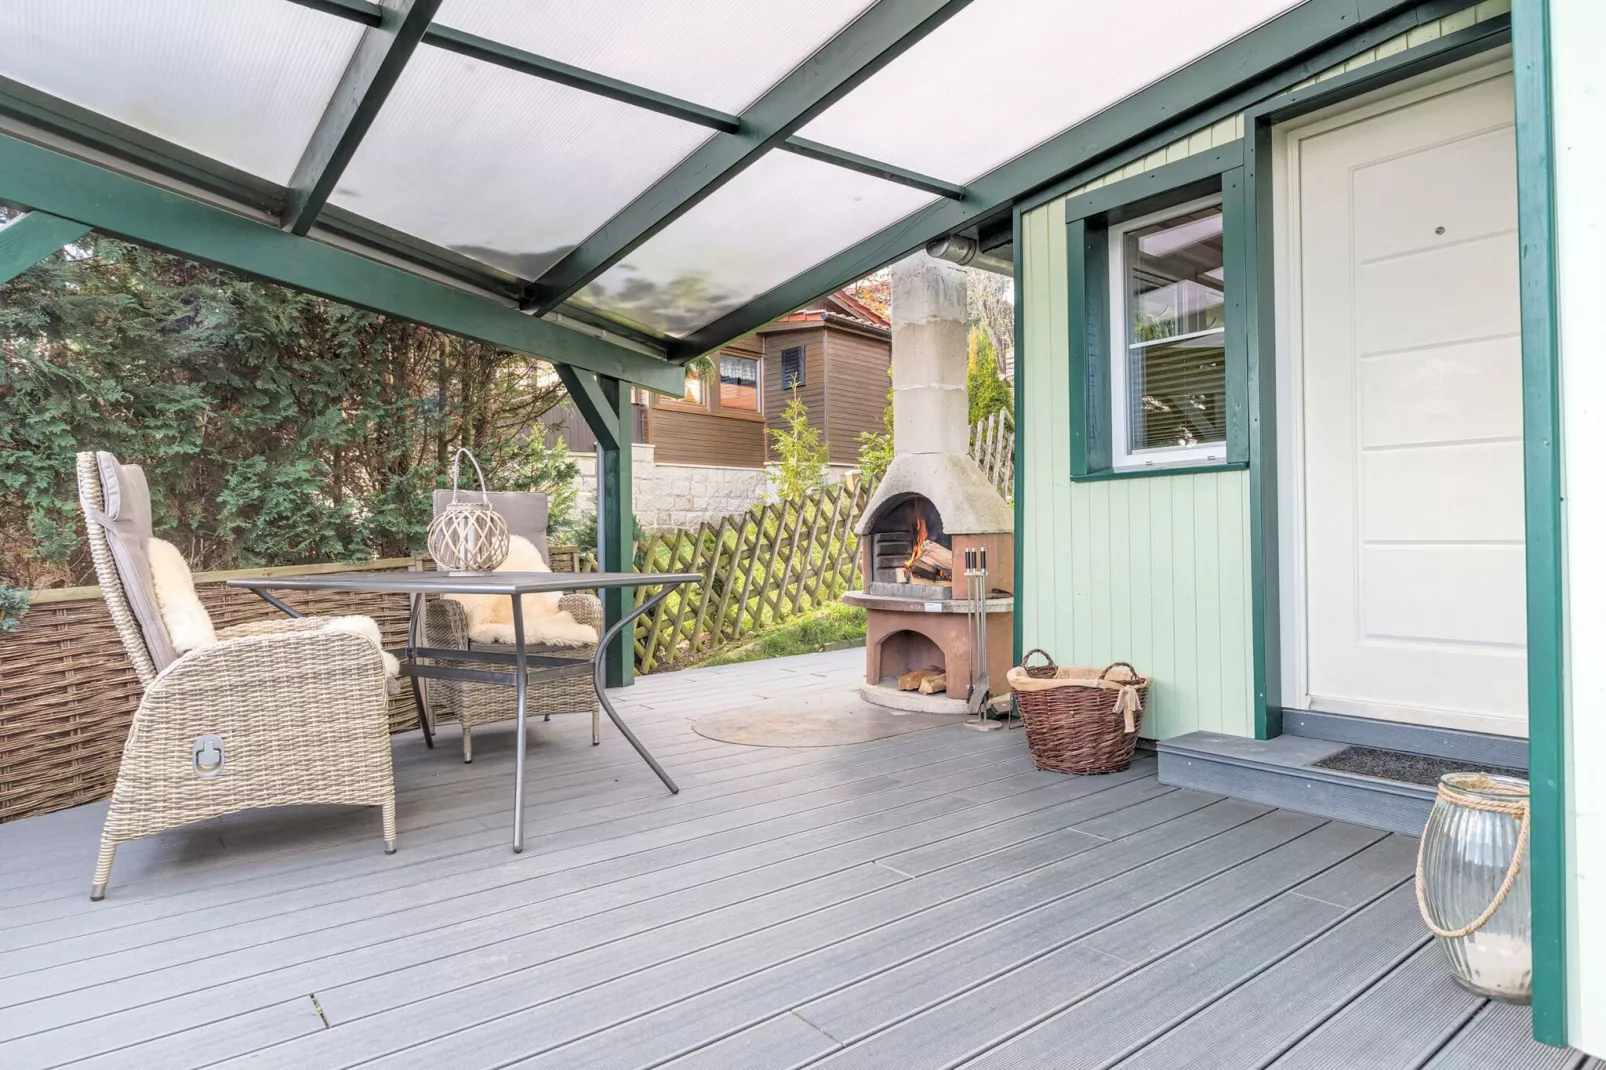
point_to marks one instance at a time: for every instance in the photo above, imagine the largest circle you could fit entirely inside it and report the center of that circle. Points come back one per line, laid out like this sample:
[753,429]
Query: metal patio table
[417,661]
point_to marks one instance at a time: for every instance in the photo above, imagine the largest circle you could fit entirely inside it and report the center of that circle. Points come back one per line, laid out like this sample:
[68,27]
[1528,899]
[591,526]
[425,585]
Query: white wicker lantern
[468,536]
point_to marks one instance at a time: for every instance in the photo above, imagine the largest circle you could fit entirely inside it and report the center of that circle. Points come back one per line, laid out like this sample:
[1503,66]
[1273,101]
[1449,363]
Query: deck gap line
[1349,914]
[1041,1019]
[832,943]
[308,962]
[1082,935]
[1446,1035]
[600,820]
[511,883]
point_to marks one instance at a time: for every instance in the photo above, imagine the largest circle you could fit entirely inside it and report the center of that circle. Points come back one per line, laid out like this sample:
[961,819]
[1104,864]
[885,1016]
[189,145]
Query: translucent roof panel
[1058,63]
[244,82]
[776,219]
[508,169]
[719,53]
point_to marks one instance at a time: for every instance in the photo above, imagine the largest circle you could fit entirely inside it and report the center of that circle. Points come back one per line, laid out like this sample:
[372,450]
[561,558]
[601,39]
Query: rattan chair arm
[445,623]
[585,608]
[305,667]
[276,626]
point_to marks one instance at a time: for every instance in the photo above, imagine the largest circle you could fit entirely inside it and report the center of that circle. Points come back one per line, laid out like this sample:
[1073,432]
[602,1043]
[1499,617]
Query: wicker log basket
[1079,719]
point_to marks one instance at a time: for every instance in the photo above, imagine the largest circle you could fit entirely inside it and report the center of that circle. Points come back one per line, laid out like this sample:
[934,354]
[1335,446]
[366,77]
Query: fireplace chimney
[930,351]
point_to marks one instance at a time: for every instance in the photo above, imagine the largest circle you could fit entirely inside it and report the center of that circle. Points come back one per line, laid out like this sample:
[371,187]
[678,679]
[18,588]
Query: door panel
[1411,410]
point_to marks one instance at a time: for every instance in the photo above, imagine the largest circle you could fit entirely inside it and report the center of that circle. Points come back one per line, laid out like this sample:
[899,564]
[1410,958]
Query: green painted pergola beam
[814,150]
[877,37]
[1264,61]
[129,208]
[29,238]
[594,406]
[372,72]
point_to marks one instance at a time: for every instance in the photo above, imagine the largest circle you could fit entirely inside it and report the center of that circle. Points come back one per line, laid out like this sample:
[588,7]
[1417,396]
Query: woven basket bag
[1079,719]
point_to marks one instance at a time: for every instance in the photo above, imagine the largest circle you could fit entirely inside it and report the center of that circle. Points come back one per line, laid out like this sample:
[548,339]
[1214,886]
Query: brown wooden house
[835,353]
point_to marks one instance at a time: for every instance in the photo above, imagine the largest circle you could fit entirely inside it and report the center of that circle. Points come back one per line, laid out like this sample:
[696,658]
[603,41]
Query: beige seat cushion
[490,617]
[189,625]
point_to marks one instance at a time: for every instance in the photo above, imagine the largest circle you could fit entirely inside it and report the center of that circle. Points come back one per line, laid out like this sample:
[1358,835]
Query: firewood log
[933,684]
[911,681]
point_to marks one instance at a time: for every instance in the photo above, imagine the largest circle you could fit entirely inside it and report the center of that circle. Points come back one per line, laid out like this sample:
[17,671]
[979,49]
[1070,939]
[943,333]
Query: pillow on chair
[189,626]
[490,617]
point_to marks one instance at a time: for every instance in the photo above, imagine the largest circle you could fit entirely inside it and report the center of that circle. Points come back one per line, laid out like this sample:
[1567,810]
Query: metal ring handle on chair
[1513,809]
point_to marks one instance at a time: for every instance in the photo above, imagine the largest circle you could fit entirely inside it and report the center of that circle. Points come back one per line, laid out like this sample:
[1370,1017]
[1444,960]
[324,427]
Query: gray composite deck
[927,900]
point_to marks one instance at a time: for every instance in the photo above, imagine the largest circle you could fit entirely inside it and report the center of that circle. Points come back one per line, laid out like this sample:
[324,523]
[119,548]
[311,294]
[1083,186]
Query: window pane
[738,383]
[694,389]
[719,53]
[792,367]
[1177,371]
[244,82]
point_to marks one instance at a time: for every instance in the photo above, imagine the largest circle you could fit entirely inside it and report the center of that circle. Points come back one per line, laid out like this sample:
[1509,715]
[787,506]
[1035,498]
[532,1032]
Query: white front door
[1409,409]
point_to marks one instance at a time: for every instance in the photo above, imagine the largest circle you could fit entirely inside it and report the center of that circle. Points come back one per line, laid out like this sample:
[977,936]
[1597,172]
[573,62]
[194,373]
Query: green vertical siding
[1154,571]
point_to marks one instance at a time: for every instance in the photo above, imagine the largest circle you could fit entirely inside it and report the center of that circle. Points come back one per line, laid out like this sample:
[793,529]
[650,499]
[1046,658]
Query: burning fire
[921,534]
[929,560]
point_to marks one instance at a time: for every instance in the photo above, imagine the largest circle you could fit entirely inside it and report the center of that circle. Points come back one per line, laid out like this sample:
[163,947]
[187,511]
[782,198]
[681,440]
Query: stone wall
[685,495]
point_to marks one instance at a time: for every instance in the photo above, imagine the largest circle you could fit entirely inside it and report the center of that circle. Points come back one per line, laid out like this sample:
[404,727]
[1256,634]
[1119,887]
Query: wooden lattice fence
[992,445]
[759,569]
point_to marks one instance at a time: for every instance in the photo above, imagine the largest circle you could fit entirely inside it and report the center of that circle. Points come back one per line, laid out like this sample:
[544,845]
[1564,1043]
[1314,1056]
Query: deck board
[925,900]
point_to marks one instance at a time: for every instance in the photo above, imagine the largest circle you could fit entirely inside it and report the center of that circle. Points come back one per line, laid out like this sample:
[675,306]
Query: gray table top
[508,583]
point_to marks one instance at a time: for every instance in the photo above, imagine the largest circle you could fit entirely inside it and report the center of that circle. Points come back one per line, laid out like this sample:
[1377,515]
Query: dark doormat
[1411,768]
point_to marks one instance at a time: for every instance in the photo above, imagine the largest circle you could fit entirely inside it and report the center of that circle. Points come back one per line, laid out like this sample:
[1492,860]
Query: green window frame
[1089,219]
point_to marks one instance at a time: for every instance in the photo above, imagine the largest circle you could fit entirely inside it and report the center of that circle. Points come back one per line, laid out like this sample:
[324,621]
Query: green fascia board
[80,126]
[1132,197]
[814,150]
[29,238]
[1292,47]
[129,208]
[551,70]
[1542,491]
[594,406]
[878,36]
[373,70]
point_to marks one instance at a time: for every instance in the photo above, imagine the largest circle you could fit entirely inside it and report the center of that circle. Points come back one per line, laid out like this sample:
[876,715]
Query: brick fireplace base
[899,641]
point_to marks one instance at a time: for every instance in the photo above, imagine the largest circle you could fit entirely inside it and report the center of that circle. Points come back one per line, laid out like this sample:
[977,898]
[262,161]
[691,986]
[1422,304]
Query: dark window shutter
[791,367]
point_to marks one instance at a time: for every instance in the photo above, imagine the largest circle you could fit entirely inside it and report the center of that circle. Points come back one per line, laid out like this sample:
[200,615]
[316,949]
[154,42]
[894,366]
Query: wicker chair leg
[387,814]
[468,744]
[103,867]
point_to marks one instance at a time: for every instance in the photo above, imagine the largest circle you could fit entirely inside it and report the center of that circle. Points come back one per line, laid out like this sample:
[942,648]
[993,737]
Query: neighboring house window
[791,367]
[738,383]
[1168,368]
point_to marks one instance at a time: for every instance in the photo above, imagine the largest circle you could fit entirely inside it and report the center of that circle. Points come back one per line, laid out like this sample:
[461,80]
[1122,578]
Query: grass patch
[832,625]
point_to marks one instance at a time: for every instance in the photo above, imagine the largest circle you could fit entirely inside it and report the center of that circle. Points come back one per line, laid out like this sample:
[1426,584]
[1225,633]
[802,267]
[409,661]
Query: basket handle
[1127,665]
[1046,657]
[457,459]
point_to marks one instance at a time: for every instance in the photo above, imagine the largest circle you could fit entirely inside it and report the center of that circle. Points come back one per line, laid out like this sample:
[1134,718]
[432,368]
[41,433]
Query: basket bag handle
[1049,658]
[1127,700]
[457,463]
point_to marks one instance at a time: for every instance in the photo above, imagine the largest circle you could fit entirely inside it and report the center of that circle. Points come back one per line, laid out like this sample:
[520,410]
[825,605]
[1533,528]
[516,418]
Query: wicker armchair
[446,625]
[276,713]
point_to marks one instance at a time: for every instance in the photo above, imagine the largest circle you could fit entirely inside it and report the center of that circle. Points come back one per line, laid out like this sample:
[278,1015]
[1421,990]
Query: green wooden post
[616,526]
[29,238]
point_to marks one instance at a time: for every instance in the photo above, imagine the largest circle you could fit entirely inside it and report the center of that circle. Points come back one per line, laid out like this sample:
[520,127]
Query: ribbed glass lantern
[468,536]
[1472,883]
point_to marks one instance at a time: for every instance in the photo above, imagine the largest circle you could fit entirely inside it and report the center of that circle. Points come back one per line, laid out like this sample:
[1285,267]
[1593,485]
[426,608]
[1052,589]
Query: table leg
[520,687]
[602,692]
[415,611]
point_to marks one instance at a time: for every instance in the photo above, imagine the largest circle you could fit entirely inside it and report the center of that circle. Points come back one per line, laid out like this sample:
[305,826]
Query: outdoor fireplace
[932,507]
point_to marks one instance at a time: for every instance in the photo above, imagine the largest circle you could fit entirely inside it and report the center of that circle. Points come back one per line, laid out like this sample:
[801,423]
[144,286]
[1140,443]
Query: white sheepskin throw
[490,617]
[189,626]
[369,630]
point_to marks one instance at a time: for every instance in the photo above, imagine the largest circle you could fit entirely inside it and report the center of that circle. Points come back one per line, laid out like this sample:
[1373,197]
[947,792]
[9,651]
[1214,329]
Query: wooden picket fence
[759,569]
[992,445]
